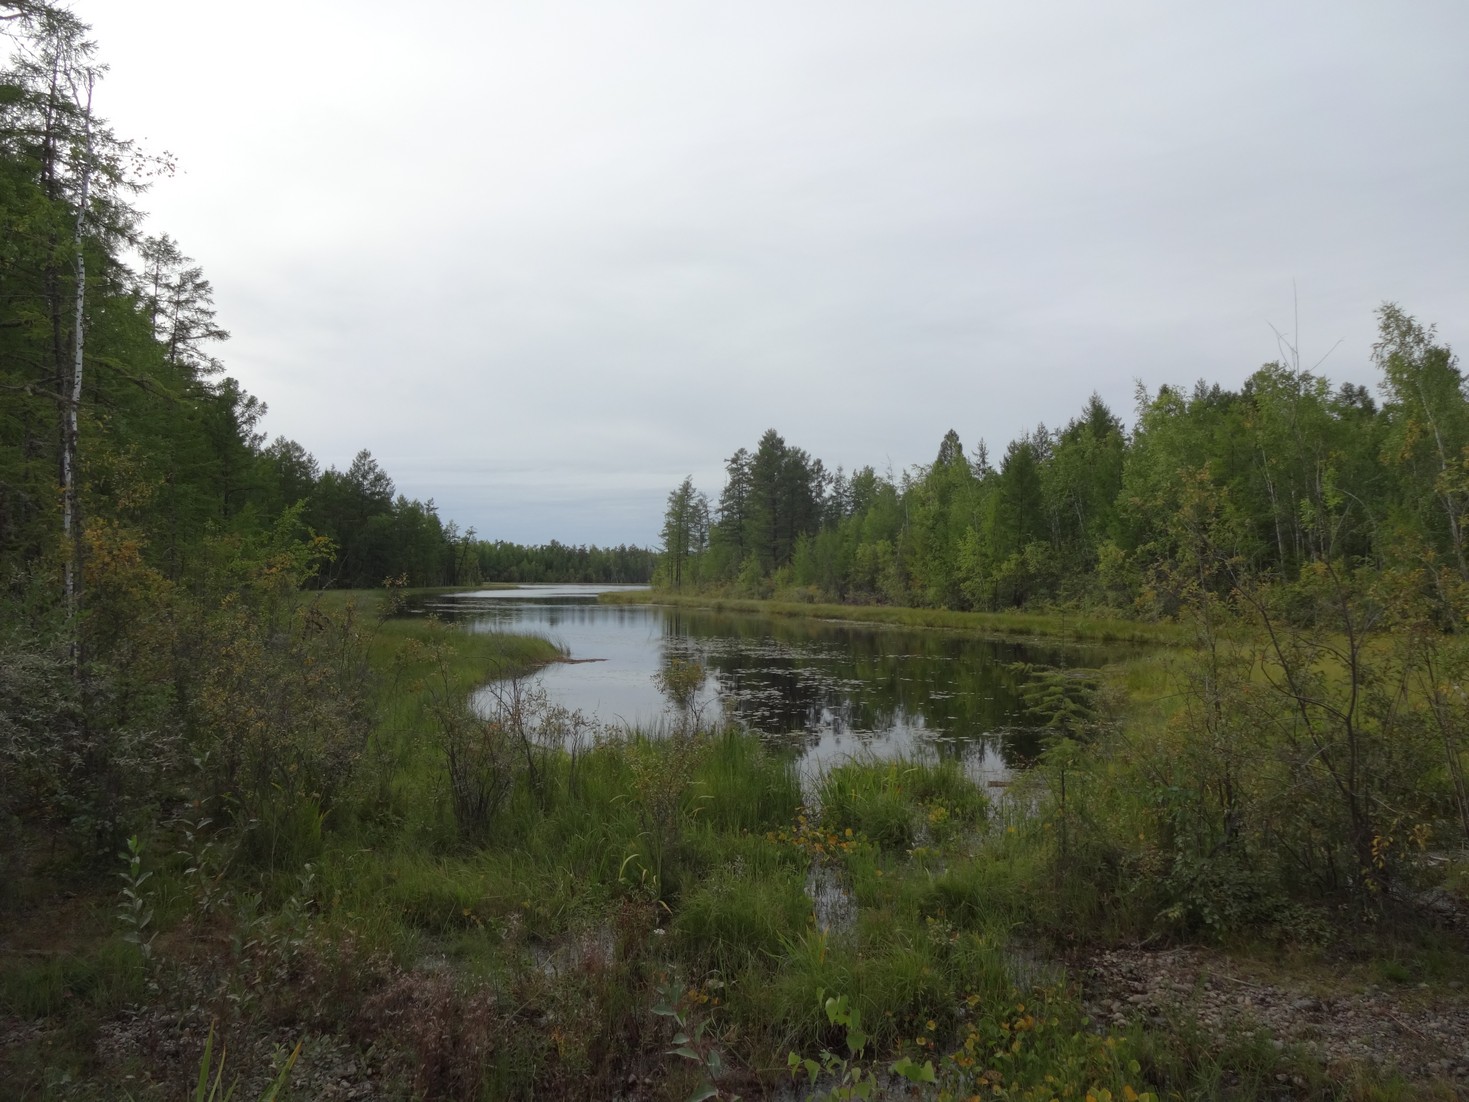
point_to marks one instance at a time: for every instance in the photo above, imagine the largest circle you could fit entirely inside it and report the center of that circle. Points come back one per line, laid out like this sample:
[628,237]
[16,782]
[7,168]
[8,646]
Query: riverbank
[573,913]
[1061,627]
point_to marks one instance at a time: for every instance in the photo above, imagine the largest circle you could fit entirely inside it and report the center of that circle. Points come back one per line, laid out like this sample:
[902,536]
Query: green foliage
[739,911]
[1084,516]
[685,535]
[681,681]
[853,1080]
[695,1045]
[284,717]
[1038,1046]
[41,723]
[134,912]
[662,772]
[895,804]
[436,896]
[743,786]
[502,561]
[481,762]
[1063,701]
[1302,768]
[871,798]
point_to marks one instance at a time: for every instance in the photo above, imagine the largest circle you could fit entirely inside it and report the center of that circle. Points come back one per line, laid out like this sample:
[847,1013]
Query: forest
[258,839]
[115,391]
[1309,540]
[1291,471]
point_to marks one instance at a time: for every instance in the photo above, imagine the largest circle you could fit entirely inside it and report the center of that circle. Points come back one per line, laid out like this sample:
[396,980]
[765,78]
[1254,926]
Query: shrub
[284,710]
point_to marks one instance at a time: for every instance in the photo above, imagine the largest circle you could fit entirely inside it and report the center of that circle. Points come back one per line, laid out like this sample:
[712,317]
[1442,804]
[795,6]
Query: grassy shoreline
[1061,626]
[631,891]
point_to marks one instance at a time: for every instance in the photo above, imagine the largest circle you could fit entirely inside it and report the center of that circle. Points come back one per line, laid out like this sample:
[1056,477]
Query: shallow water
[830,689]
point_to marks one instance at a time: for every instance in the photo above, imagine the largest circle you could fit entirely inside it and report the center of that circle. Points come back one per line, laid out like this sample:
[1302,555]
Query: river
[829,689]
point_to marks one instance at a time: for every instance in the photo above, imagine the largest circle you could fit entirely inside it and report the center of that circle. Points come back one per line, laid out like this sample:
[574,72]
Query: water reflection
[830,689]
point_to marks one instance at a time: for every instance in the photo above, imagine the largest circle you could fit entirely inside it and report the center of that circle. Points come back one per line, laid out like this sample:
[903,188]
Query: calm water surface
[831,689]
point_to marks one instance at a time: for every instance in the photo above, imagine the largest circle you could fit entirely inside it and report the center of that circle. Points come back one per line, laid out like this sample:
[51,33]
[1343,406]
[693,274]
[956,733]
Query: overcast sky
[544,258]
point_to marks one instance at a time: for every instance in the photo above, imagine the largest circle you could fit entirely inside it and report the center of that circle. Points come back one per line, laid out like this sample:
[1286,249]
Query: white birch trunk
[71,521]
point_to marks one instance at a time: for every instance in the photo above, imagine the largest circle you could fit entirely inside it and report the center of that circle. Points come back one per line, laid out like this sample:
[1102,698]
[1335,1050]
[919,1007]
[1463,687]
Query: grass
[744,787]
[106,976]
[1062,626]
[545,913]
[898,803]
[525,962]
[742,915]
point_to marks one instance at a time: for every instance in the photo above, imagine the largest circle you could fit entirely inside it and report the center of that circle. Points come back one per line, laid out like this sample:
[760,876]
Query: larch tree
[685,531]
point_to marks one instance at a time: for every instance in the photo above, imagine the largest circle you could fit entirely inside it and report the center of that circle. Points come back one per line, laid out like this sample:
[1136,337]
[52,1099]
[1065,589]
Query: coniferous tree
[685,532]
[786,491]
[731,530]
[180,305]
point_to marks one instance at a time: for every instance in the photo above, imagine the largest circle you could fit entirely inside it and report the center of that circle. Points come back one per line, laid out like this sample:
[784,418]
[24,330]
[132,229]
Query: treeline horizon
[120,426]
[379,536]
[1286,471]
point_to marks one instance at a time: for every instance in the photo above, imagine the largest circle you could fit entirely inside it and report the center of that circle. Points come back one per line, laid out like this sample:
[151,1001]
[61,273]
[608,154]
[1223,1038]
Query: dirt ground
[1421,1031]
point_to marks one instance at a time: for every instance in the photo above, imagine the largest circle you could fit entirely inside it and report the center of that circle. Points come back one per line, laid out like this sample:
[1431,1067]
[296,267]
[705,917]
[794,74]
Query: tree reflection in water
[827,689]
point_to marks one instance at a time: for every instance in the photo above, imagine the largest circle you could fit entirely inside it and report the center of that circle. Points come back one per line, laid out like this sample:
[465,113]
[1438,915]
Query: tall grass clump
[985,894]
[740,915]
[870,797]
[895,804]
[744,785]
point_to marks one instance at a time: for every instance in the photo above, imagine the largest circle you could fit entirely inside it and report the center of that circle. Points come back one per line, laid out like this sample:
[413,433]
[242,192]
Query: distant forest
[120,432]
[1268,480]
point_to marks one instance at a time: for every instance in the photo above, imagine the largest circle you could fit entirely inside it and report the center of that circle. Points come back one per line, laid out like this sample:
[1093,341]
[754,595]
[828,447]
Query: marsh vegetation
[259,828]
[513,900]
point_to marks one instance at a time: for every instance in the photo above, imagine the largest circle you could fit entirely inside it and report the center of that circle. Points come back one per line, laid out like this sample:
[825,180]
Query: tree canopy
[1299,472]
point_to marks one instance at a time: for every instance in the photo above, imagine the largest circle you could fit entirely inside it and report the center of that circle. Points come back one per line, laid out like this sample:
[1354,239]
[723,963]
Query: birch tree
[1428,435]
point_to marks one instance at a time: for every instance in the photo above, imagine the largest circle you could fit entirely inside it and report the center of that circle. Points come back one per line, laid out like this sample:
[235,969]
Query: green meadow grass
[675,869]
